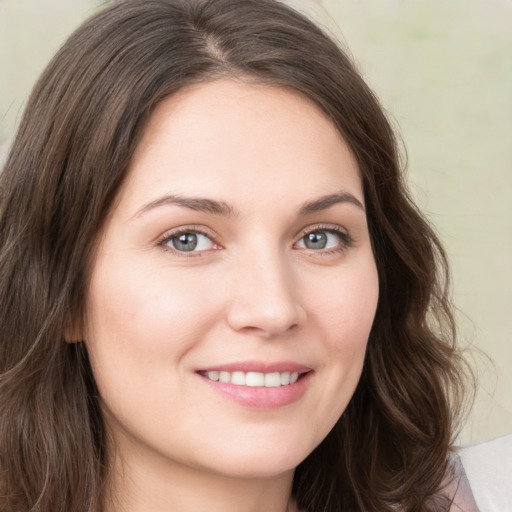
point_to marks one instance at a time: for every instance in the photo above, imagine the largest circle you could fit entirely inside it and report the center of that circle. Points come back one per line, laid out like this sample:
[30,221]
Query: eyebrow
[324,202]
[212,206]
[198,204]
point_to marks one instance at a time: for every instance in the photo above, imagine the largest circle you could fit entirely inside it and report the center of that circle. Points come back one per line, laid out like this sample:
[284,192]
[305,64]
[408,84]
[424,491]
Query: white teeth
[254,379]
[238,378]
[213,375]
[285,378]
[272,380]
[225,377]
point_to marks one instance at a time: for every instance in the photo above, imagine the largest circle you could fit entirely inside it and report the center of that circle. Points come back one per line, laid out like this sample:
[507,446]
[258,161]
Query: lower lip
[261,397]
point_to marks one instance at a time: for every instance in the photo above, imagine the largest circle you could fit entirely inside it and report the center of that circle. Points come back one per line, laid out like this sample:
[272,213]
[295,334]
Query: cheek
[145,309]
[345,314]
[141,324]
[347,306]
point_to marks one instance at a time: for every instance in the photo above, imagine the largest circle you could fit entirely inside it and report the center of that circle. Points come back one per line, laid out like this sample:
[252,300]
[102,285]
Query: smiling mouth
[254,379]
[274,385]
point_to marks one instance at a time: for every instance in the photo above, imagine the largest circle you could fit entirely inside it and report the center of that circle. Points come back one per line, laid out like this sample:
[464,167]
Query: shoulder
[459,490]
[488,467]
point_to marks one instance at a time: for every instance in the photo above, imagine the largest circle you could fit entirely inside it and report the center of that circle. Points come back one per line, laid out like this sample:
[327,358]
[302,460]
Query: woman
[216,293]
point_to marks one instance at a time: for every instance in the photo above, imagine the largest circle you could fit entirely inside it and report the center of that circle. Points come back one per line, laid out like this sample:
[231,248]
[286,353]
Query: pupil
[316,240]
[185,242]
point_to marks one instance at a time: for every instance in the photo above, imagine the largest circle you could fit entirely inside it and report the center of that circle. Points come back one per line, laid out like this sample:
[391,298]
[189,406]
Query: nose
[264,299]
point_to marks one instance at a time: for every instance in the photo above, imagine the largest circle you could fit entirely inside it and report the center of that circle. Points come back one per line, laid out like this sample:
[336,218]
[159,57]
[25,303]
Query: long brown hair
[391,446]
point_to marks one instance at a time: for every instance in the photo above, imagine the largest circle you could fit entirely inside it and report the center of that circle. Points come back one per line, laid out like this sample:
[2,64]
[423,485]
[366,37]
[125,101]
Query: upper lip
[258,366]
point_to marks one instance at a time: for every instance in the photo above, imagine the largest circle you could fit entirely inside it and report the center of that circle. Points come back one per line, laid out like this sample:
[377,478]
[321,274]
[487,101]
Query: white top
[488,467]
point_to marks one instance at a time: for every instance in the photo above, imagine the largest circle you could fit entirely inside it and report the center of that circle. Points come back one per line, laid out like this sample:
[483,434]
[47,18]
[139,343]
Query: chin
[260,462]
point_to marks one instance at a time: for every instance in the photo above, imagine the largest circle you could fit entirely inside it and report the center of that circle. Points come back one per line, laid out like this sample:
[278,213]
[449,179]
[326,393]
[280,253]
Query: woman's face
[234,288]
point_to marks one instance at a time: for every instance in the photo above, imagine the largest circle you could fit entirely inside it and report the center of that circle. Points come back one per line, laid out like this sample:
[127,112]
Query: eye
[188,241]
[324,239]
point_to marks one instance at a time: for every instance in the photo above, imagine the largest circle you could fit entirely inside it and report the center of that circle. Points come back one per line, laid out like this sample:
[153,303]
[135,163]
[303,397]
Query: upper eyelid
[347,240]
[321,227]
[187,229]
[215,238]
[204,230]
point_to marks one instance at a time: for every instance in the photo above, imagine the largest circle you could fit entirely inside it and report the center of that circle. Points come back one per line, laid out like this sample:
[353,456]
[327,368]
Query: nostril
[293,328]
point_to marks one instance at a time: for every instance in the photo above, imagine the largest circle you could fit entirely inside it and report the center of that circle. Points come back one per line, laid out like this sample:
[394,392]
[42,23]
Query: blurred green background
[443,71]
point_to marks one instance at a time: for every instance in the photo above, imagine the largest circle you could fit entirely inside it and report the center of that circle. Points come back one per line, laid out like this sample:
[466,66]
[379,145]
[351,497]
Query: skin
[253,290]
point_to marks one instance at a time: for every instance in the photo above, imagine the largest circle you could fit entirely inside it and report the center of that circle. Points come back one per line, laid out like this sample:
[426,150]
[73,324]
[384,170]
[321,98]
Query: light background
[443,71]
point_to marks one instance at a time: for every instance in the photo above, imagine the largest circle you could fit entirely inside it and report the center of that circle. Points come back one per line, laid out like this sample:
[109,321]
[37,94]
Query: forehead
[230,137]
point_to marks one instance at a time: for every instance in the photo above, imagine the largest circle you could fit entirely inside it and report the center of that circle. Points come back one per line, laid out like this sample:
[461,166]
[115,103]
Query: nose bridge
[265,298]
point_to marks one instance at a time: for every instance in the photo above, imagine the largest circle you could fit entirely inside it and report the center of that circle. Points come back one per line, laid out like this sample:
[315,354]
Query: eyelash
[167,238]
[346,241]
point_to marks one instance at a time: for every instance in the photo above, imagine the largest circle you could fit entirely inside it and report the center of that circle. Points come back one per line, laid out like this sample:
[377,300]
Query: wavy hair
[390,449]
